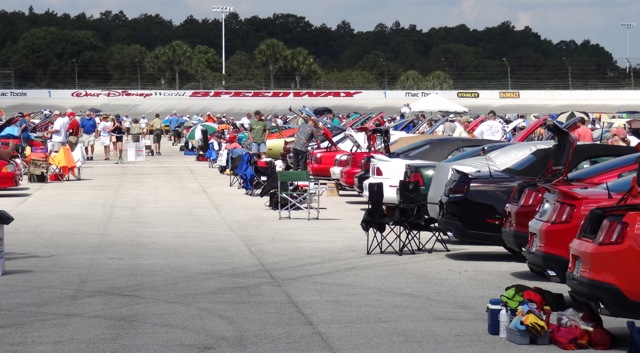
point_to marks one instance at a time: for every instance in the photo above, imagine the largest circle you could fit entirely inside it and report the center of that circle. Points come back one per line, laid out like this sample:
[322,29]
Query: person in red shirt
[583,133]
[73,132]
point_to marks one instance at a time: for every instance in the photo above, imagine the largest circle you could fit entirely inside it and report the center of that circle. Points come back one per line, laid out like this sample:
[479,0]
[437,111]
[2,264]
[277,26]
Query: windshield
[477,151]
[531,165]
[617,186]
[601,168]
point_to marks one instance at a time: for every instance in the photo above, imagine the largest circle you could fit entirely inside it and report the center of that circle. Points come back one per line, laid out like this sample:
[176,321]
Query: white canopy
[436,103]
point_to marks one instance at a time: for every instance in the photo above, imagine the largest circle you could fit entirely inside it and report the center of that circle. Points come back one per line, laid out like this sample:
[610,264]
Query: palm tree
[302,64]
[270,52]
[176,56]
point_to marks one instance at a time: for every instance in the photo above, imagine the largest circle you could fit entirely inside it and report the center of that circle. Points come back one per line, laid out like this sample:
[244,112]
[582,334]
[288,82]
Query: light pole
[629,62]
[508,72]
[75,66]
[138,66]
[569,67]
[446,68]
[628,26]
[224,10]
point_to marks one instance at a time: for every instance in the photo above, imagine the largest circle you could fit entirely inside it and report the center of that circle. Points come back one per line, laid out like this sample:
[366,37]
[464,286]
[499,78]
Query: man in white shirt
[57,132]
[461,129]
[490,129]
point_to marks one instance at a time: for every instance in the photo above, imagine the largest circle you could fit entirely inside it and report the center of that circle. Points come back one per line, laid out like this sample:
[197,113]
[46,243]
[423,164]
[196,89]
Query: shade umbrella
[566,116]
[211,128]
[94,110]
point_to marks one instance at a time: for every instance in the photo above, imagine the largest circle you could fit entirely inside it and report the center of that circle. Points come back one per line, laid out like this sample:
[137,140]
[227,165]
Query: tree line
[285,51]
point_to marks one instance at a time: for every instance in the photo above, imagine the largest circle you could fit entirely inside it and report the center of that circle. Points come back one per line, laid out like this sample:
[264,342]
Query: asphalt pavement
[162,255]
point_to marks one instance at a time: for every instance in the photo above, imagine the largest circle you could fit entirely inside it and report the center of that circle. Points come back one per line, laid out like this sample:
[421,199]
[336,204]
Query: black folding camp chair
[381,229]
[414,219]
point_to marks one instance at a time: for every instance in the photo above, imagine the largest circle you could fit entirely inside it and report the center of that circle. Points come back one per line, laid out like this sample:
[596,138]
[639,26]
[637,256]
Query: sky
[596,20]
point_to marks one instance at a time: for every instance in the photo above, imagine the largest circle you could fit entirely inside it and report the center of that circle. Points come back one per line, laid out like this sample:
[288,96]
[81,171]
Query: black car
[473,203]
[422,172]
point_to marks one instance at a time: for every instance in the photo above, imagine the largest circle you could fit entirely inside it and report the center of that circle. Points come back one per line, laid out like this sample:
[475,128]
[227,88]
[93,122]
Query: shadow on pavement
[483,256]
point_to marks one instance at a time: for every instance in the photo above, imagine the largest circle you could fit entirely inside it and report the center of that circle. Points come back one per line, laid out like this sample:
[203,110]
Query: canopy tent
[437,103]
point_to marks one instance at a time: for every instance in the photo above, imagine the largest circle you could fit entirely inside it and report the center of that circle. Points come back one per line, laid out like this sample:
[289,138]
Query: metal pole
[445,65]
[75,65]
[508,72]
[224,10]
[628,26]
[631,68]
[568,66]
[138,65]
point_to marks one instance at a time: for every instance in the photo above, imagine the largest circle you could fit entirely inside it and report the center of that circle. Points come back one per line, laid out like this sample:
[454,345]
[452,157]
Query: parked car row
[568,208]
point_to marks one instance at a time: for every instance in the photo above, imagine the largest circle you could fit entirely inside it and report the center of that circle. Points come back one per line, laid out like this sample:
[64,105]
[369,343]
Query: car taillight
[9,168]
[612,232]
[530,197]
[416,176]
[562,212]
[457,189]
[377,171]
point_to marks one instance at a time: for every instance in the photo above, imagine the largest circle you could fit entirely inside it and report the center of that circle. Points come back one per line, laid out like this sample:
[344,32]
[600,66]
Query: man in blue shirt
[174,128]
[88,126]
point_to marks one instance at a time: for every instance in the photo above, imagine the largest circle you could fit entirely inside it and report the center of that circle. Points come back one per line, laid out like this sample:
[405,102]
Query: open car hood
[561,151]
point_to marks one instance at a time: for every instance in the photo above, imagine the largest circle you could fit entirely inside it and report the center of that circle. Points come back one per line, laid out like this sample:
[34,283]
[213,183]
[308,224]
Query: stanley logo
[468,95]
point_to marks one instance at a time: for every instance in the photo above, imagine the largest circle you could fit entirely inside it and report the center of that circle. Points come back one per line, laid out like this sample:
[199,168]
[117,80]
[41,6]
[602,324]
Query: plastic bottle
[504,321]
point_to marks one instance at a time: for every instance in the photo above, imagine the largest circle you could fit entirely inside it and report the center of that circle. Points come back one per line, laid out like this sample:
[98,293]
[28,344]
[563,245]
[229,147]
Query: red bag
[569,338]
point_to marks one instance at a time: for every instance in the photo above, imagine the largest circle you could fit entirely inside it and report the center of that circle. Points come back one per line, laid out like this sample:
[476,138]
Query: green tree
[124,61]
[243,72]
[204,61]
[410,80]
[271,52]
[174,56]
[302,64]
[437,80]
[350,79]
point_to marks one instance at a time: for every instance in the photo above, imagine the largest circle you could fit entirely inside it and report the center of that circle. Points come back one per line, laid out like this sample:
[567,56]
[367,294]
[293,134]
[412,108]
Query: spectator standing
[305,134]
[490,129]
[158,132]
[174,122]
[135,130]
[449,127]
[73,133]
[144,124]
[406,110]
[126,123]
[583,133]
[104,133]
[57,132]
[461,129]
[117,137]
[258,130]
[89,126]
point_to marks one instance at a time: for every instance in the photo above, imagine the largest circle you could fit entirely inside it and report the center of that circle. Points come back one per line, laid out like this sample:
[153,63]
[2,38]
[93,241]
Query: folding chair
[295,193]
[381,230]
[414,218]
[234,158]
[246,173]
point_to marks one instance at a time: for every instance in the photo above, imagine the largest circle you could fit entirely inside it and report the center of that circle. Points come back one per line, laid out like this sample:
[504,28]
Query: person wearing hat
[144,122]
[57,132]
[618,137]
[463,126]
[103,132]
[303,137]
